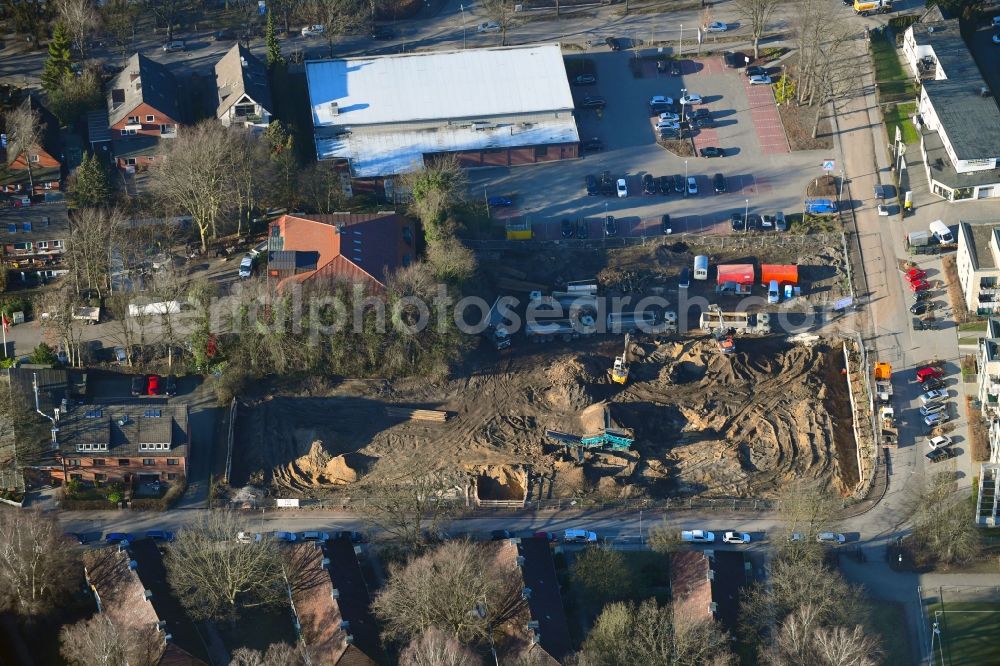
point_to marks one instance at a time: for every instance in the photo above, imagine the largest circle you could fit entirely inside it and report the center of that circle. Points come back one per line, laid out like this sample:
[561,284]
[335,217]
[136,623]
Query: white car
[716,26]
[248,537]
[697,536]
[314,536]
[940,442]
[660,99]
[692,185]
[736,537]
[622,187]
[760,80]
[691,98]
[313,30]
[669,117]
[927,410]
[668,125]
[579,536]
[796,537]
[830,537]
[489,26]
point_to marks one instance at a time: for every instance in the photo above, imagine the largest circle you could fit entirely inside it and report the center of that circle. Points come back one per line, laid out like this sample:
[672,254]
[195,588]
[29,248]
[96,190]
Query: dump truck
[866,7]
[545,330]
[883,382]
[744,323]
[887,422]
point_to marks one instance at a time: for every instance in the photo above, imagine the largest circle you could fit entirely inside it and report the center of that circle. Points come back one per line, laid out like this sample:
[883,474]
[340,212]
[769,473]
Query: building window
[47,185]
[22,246]
[148,461]
[123,462]
[128,132]
[57,243]
[74,462]
[150,119]
[171,477]
[133,120]
[43,245]
[129,161]
[541,151]
[76,477]
[33,159]
[171,461]
[98,462]
[100,477]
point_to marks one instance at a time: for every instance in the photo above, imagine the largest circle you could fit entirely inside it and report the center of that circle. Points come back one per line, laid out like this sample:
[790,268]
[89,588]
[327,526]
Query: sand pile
[570,383]
[316,469]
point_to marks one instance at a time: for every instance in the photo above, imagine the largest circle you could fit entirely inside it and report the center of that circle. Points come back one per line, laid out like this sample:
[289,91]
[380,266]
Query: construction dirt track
[704,424]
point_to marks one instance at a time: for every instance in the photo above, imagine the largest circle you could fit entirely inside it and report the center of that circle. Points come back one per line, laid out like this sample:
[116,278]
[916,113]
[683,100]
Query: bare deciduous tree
[337,17]
[323,188]
[61,305]
[249,166]
[502,12]
[24,133]
[435,648]
[119,17]
[446,588]
[436,189]
[758,14]
[803,639]
[277,654]
[36,567]
[167,13]
[195,176]
[93,232]
[214,575]
[409,508]
[941,523]
[81,19]
[451,260]
[99,642]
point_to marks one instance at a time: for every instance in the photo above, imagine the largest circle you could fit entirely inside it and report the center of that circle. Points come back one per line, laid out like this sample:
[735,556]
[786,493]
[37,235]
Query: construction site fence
[720,241]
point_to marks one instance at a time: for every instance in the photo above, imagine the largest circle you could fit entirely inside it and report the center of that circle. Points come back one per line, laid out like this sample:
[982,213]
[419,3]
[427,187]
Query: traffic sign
[828,165]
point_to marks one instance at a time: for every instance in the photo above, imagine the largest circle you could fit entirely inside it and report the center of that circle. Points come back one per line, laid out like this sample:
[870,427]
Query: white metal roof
[389,153]
[438,85]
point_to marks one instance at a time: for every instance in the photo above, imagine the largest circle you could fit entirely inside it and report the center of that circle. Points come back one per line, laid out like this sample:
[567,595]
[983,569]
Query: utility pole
[680,41]
[462,8]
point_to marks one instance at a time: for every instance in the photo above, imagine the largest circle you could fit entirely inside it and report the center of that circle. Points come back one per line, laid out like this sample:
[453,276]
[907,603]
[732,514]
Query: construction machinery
[619,373]
[887,422]
[723,336]
[743,323]
[866,7]
[608,436]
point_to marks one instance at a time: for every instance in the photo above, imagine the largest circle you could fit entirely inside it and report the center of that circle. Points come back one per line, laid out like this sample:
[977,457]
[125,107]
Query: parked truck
[87,314]
[883,382]
[866,7]
[887,421]
[496,330]
[744,323]
[546,330]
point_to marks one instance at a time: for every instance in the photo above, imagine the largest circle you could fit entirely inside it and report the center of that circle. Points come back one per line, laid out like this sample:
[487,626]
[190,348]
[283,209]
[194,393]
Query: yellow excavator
[619,373]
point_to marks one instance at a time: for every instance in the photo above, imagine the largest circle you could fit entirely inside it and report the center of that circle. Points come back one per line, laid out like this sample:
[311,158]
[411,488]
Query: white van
[246,267]
[773,292]
[701,267]
[941,232]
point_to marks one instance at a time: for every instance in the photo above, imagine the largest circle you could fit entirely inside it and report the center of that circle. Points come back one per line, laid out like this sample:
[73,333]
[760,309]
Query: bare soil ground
[705,424]
[798,122]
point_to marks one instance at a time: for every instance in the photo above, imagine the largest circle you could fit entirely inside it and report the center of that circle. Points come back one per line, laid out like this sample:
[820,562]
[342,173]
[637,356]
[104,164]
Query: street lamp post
[782,82]
[685,175]
[746,217]
[462,8]
[680,41]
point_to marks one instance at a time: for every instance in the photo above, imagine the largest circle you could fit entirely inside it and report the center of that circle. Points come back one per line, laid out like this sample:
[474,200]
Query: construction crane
[722,337]
[619,373]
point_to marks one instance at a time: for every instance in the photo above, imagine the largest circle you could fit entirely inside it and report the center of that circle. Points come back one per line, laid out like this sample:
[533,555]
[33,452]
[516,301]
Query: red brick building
[44,158]
[130,442]
[143,108]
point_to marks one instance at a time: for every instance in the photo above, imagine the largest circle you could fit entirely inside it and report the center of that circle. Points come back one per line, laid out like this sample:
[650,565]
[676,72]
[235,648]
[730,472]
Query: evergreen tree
[92,188]
[274,57]
[59,63]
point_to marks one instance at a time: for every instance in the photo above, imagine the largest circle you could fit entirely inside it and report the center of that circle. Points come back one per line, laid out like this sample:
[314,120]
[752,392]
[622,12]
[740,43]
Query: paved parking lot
[754,169]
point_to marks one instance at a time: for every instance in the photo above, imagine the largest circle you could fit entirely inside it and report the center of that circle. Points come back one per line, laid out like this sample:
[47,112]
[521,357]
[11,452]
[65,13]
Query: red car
[153,385]
[915,274]
[919,285]
[928,373]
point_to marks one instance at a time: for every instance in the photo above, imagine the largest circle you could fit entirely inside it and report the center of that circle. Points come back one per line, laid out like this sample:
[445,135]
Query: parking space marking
[766,121]
[710,67]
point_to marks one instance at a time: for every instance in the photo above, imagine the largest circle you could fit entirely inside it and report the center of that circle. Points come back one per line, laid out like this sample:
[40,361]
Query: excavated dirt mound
[704,423]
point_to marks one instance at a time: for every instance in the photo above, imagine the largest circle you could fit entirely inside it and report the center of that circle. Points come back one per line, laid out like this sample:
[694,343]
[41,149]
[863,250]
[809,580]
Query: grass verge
[889,621]
[899,115]
[968,632]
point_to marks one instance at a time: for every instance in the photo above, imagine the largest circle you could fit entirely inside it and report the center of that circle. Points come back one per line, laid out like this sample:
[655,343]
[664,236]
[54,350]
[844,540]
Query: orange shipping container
[783,273]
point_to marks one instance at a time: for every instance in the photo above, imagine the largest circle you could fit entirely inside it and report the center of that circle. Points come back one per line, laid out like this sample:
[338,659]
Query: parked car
[593,102]
[919,285]
[584,80]
[352,536]
[736,537]
[660,100]
[697,536]
[119,537]
[933,408]
[780,224]
[719,183]
[934,420]
[716,26]
[551,537]
[916,274]
[830,537]
[314,536]
[661,66]
[760,80]
[381,33]
[675,68]
[500,535]
[692,185]
[499,202]
[79,537]
[940,442]
[932,384]
[940,455]
[621,187]
[663,185]
[755,70]
[766,223]
[669,117]
[753,222]
[593,186]
[738,222]
[176,45]
[283,536]
[313,31]
[138,385]
[711,151]
[610,226]
[665,228]
[582,229]
[668,125]
[594,145]
[734,59]
[614,43]
[579,536]
[246,267]
[678,183]
[159,535]
[821,206]
[488,26]
[929,372]
[170,386]
[648,184]
[920,307]
[691,98]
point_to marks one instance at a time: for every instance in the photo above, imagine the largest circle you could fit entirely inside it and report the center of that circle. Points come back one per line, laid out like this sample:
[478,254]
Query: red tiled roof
[121,593]
[690,585]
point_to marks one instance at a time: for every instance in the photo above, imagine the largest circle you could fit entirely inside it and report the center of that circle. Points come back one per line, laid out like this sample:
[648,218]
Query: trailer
[744,323]
[783,274]
[89,315]
[701,267]
[736,278]
[546,330]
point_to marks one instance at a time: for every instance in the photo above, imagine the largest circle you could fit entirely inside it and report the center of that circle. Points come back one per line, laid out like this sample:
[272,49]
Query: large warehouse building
[382,116]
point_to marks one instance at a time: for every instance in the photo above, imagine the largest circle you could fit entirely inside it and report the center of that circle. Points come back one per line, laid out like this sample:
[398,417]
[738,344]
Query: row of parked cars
[154,385]
[934,408]
[732,536]
[755,222]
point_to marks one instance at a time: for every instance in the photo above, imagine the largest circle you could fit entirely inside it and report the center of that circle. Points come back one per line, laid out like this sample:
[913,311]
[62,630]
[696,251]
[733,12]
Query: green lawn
[889,621]
[968,633]
[895,84]
[901,114]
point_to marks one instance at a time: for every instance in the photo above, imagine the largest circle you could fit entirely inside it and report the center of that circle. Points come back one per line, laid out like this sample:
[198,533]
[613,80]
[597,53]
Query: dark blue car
[118,537]
[499,202]
[159,535]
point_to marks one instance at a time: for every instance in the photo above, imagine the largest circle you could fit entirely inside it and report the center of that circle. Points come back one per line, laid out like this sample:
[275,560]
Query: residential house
[706,585]
[243,89]
[958,120]
[34,241]
[362,248]
[989,369]
[547,629]
[381,116]
[41,166]
[143,108]
[129,442]
[331,604]
[978,264]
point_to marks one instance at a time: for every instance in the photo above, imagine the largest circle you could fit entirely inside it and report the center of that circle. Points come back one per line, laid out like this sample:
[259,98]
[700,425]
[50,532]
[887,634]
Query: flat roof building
[977,261]
[384,115]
